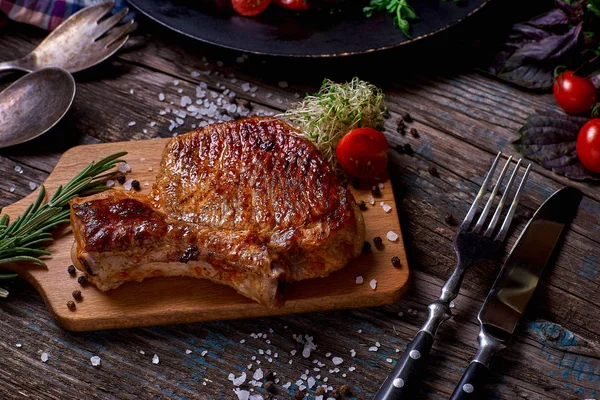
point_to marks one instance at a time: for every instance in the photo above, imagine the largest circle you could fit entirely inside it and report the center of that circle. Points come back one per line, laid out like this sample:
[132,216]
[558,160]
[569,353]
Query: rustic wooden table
[463,118]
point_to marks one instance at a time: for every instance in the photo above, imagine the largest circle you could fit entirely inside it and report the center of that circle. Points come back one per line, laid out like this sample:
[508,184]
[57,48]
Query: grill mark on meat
[245,203]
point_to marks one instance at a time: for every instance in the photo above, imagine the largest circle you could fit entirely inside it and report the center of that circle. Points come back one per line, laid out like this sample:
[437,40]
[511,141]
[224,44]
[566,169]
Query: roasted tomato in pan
[250,8]
[293,4]
[363,153]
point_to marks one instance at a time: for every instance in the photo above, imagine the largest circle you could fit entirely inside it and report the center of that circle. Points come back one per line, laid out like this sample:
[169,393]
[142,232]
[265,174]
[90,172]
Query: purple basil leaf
[549,139]
[524,33]
[552,18]
[532,76]
[550,48]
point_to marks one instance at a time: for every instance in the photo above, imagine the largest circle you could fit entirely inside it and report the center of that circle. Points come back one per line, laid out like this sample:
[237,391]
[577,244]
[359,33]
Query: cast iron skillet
[326,31]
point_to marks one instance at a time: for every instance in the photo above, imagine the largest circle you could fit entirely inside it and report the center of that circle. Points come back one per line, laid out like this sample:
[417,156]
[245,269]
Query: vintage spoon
[79,42]
[34,104]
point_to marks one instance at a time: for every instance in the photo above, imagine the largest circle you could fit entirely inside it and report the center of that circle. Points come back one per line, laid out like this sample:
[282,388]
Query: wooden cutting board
[158,301]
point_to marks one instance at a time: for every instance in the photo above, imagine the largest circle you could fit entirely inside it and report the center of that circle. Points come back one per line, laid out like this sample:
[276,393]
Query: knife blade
[515,285]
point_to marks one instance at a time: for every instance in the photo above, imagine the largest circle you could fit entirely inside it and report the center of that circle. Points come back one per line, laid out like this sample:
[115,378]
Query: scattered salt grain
[239,380]
[188,351]
[268,95]
[131,91]
[19,344]
[401,314]
[380,185]
[452,305]
[95,360]
[293,352]
[131,123]
[359,280]
[142,352]
[149,168]
[371,200]
[359,331]
[337,360]
[283,84]
[176,82]
[195,74]
[123,168]
[12,189]
[110,183]
[161,96]
[319,397]
[145,130]
[44,357]
[242,341]
[127,184]
[389,360]
[32,185]
[258,374]
[352,353]
[387,208]
[351,369]
[377,344]
[205,352]
[19,169]
[179,91]
[311,382]
[242,394]
[155,359]
[152,124]
[327,355]
[185,101]
[287,385]
[373,284]
[392,236]
[373,348]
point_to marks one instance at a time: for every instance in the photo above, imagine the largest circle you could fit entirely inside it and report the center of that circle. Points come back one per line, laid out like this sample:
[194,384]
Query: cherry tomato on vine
[574,94]
[250,8]
[293,4]
[363,152]
[588,145]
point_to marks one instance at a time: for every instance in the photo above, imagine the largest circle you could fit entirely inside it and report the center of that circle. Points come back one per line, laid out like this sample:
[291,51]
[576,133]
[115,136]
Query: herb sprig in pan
[23,239]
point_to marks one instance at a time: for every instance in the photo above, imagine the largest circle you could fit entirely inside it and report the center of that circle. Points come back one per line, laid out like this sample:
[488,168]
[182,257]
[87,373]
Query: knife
[515,285]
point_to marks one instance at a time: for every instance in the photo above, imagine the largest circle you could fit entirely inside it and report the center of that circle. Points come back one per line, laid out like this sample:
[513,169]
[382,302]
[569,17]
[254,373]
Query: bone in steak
[247,203]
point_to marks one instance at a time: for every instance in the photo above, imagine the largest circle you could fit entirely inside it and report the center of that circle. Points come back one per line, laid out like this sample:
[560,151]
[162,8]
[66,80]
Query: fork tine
[97,11]
[513,207]
[467,221]
[490,201]
[115,34]
[106,24]
[498,212]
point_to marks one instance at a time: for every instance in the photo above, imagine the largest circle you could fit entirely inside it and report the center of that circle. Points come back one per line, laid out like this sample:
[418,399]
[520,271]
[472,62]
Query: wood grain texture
[184,300]
[463,117]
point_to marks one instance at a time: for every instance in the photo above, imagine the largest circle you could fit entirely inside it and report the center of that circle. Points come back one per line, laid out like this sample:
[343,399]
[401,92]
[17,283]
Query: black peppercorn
[270,387]
[320,391]
[71,305]
[298,396]
[71,269]
[77,294]
[414,133]
[336,394]
[362,205]
[82,280]
[268,375]
[345,390]
[449,219]
[432,170]
[121,178]
[395,261]
[378,241]
[399,148]
[190,254]
[135,184]
[356,183]
[366,247]
[376,191]
[408,149]
[407,117]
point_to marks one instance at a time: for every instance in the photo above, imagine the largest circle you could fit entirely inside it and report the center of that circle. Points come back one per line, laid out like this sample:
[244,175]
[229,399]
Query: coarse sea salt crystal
[205,352]
[287,385]
[188,351]
[337,360]
[380,185]
[392,236]
[95,360]
[179,91]
[19,344]
[377,344]
[389,360]
[32,185]
[258,374]
[311,382]
[352,353]
[387,208]
[155,359]
[12,189]
[373,348]
[131,91]
[242,394]
[161,96]
[19,169]
[185,101]
[195,74]
[123,167]
[359,280]
[110,183]
[371,200]
[327,355]
[239,380]
[131,123]
[256,397]
[44,357]
[142,352]
[351,369]
[373,284]
[176,82]
[127,184]
[152,124]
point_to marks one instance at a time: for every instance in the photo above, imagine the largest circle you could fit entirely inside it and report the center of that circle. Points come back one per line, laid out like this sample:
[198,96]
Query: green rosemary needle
[23,239]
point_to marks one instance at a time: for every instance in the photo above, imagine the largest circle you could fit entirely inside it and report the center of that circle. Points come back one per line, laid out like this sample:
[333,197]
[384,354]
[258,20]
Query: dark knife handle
[400,383]
[471,385]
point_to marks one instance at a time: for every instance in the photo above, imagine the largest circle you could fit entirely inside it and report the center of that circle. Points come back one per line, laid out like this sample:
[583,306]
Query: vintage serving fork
[471,243]
[81,41]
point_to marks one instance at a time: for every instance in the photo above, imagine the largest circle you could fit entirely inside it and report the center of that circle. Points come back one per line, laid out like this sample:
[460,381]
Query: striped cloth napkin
[45,14]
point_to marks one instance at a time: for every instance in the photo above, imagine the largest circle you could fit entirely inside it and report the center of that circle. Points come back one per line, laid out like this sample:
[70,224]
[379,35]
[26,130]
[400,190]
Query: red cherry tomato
[293,4]
[363,152]
[250,8]
[588,145]
[574,94]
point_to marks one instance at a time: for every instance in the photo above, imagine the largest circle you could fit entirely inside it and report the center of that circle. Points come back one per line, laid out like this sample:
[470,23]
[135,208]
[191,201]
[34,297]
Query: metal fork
[83,40]
[471,243]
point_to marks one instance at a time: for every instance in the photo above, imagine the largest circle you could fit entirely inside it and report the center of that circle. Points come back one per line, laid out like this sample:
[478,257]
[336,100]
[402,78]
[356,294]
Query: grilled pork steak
[246,203]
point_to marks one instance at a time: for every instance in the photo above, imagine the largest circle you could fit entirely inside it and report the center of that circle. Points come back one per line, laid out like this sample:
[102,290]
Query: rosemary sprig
[22,240]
